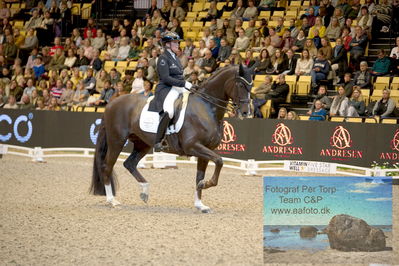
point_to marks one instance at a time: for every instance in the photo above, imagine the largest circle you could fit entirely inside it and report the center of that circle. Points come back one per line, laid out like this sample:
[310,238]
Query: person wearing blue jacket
[320,70]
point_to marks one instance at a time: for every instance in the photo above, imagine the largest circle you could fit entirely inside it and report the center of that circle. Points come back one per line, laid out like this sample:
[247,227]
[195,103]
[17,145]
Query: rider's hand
[188,85]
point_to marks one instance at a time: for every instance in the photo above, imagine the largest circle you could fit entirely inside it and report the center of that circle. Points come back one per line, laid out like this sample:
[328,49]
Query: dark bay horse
[200,134]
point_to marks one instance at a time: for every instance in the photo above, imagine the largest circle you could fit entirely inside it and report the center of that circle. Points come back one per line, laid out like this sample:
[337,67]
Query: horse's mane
[214,75]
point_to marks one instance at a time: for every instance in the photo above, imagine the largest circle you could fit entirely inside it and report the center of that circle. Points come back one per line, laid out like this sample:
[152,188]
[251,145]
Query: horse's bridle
[219,103]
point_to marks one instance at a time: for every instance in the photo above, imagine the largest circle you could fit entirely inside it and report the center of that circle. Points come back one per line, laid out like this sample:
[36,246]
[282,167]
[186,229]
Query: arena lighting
[18,121]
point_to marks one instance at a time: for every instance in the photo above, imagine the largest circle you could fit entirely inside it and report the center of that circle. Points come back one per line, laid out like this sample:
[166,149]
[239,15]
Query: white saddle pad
[149,121]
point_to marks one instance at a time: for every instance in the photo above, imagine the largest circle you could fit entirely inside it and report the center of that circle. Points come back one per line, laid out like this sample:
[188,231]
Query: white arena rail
[165,160]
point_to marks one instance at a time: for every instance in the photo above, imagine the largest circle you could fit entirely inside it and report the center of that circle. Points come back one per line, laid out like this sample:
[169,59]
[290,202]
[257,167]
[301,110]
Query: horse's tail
[97,182]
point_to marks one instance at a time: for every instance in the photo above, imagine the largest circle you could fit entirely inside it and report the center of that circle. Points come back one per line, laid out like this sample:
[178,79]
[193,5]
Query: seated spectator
[57,90]
[333,30]
[326,48]
[279,91]
[38,68]
[64,76]
[106,94]
[189,69]
[356,104]
[365,20]
[57,45]
[75,77]
[358,46]
[224,51]
[34,21]
[282,113]
[287,42]
[15,90]
[249,31]
[311,16]
[44,31]
[53,106]
[66,98]
[76,38]
[114,77]
[90,27]
[309,45]
[147,89]
[70,59]
[29,44]
[316,39]
[299,42]
[29,87]
[264,63]
[46,97]
[123,50]
[291,65]
[340,104]
[323,98]
[89,82]
[112,50]
[57,62]
[46,57]
[81,94]
[381,65]
[11,103]
[209,63]
[138,82]
[4,11]
[385,107]
[238,11]
[19,38]
[362,79]
[257,41]
[176,11]
[82,62]
[274,38]
[279,62]
[249,59]
[25,104]
[98,42]
[395,51]
[263,89]
[251,12]
[212,12]
[242,42]
[304,64]
[292,116]
[88,48]
[339,60]
[348,84]
[320,70]
[266,5]
[10,50]
[318,113]
[188,49]
[213,48]
[349,25]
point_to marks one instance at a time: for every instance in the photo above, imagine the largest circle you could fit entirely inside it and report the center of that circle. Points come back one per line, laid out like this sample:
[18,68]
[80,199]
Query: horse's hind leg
[114,149]
[201,168]
[139,151]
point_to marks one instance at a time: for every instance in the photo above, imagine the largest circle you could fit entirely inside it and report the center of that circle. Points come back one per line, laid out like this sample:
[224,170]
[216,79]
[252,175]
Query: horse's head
[240,93]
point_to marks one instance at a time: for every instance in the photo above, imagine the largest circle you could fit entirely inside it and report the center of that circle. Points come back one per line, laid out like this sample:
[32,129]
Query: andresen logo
[395,148]
[341,140]
[282,136]
[229,135]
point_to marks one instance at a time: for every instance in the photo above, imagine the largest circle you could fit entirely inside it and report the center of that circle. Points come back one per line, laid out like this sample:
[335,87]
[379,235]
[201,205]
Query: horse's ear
[241,71]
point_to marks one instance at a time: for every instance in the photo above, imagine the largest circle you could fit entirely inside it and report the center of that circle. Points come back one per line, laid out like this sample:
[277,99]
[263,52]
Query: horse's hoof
[114,203]
[201,184]
[144,197]
[203,209]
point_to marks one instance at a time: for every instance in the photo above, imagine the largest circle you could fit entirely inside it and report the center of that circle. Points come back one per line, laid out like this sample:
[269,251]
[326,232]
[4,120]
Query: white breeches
[168,104]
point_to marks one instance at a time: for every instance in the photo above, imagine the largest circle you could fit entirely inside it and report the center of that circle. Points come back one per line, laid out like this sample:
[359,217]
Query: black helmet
[169,36]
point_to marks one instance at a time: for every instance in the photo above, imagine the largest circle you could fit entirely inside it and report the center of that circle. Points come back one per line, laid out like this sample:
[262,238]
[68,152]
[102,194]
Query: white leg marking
[145,187]
[199,205]
[110,196]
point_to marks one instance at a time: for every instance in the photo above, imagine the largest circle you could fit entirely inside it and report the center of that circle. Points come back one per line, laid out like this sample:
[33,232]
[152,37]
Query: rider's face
[174,46]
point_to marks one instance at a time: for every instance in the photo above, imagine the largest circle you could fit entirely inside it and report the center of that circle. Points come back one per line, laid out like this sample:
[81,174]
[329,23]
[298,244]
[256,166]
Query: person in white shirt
[124,49]
[395,50]
[138,82]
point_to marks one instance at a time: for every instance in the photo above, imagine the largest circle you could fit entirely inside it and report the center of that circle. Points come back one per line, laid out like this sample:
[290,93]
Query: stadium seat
[303,85]
[304,117]
[354,119]
[207,5]
[291,14]
[121,66]
[337,119]
[86,11]
[220,5]
[186,25]
[197,7]
[291,81]
[89,109]
[278,14]
[19,24]
[132,65]
[264,14]
[75,10]
[381,83]
[191,34]
[197,26]
[226,14]
[370,120]
[295,3]
[377,94]
[108,65]
[389,121]
[395,95]
[245,25]
[272,23]
[266,109]
[395,83]
[100,109]
[202,15]
[366,96]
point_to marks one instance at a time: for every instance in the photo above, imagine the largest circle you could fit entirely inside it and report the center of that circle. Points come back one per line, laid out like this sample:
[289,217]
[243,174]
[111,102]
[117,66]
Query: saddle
[149,120]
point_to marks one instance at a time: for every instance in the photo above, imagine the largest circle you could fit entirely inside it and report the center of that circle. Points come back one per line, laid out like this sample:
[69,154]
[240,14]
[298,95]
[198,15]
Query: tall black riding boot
[163,125]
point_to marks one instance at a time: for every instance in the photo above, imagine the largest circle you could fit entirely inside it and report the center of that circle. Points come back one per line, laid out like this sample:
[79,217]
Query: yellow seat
[89,109]
[18,24]
[186,24]
[100,109]
[366,95]
[389,121]
[121,66]
[108,65]
[245,25]
[371,120]
[191,34]
[75,10]
[197,7]
[207,5]
[395,83]
[220,5]
[304,117]
[354,119]
[86,11]
[278,14]
[291,81]
[395,95]
[337,119]
[381,83]
[260,77]
[197,25]
[295,3]
[264,14]
[272,23]
[202,15]
[291,13]
[303,85]
[226,14]
[377,94]
[132,65]
[266,109]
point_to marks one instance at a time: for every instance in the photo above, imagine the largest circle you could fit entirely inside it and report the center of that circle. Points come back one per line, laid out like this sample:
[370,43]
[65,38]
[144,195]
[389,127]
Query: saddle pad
[149,121]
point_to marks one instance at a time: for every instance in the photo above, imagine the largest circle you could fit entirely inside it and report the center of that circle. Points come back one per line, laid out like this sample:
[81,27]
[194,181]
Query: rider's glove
[188,85]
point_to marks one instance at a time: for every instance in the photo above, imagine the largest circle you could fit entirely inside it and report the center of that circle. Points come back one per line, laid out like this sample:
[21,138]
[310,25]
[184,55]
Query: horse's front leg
[205,155]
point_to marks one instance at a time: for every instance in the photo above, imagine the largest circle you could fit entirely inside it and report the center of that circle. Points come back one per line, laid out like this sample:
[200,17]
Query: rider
[171,83]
